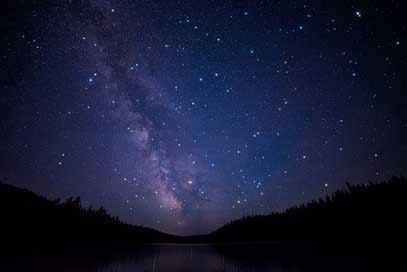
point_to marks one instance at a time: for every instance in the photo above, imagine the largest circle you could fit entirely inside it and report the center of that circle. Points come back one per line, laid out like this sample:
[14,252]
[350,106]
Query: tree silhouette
[363,214]
[32,222]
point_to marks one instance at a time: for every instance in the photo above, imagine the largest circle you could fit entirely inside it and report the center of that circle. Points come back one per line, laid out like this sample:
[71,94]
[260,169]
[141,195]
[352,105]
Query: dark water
[208,258]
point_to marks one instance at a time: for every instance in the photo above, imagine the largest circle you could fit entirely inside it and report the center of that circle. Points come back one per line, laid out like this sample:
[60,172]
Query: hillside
[360,214]
[373,213]
[30,222]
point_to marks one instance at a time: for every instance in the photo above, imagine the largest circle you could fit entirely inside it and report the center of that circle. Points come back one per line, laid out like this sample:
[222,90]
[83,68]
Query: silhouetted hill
[367,214]
[32,222]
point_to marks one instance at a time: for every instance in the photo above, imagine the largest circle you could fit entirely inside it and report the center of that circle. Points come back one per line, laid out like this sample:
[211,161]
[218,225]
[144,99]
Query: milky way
[184,115]
[113,57]
[169,174]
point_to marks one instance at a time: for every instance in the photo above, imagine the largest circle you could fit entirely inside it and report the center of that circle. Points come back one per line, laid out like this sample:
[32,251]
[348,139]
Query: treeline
[30,222]
[368,214]
[365,214]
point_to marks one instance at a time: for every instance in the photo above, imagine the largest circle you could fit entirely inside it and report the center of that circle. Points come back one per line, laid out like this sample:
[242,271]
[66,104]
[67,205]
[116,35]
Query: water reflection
[197,258]
[191,258]
[228,258]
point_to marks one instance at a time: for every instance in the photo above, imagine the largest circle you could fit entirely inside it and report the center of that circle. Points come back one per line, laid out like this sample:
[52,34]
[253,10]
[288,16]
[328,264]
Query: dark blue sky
[183,115]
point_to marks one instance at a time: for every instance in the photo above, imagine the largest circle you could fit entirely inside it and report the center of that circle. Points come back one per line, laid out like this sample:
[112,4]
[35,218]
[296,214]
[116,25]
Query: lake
[180,257]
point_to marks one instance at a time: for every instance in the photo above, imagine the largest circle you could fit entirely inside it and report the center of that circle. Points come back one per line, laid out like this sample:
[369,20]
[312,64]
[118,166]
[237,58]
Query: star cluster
[183,115]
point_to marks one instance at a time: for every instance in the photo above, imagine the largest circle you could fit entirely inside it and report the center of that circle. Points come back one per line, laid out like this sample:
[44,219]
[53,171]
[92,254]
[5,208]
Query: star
[184,113]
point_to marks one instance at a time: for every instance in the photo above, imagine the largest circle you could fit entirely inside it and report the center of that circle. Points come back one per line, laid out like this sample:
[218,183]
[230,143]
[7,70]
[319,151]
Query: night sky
[184,115]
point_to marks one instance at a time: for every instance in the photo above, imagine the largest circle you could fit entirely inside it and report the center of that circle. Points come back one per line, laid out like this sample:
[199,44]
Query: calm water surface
[196,258]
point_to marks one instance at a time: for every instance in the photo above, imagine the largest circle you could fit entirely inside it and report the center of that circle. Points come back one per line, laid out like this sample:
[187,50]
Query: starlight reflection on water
[202,257]
[230,258]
